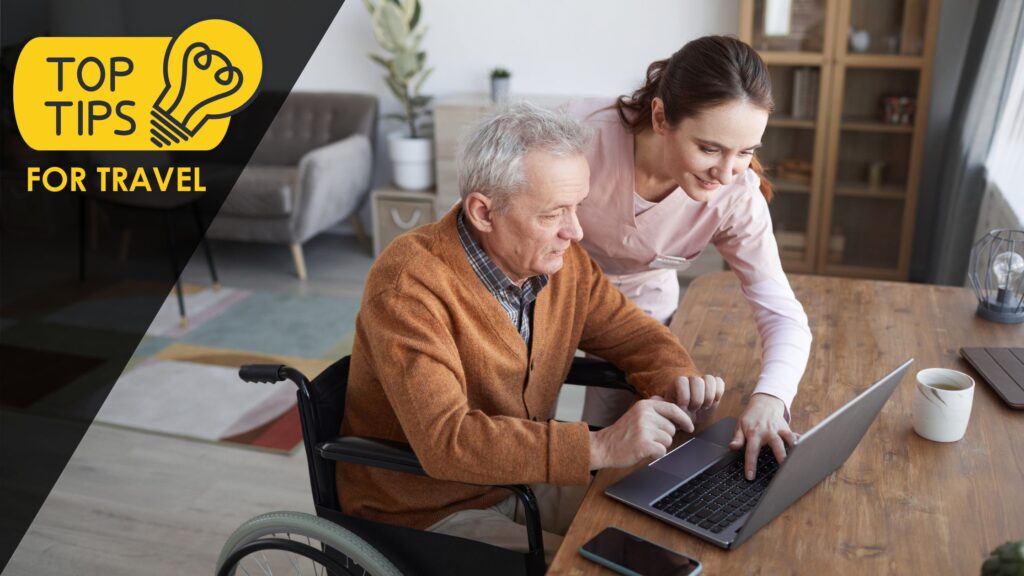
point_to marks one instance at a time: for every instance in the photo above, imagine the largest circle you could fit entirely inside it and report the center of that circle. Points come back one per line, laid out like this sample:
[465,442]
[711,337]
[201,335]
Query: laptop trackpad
[690,458]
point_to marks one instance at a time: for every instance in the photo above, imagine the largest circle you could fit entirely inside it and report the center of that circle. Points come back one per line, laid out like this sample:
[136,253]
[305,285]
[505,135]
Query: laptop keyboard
[718,496]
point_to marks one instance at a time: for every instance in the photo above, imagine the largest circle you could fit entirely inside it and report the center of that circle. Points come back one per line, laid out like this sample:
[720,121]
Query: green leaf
[397,88]
[419,101]
[408,10]
[415,15]
[389,27]
[396,116]
[417,36]
[369,6]
[419,83]
[405,65]
[380,60]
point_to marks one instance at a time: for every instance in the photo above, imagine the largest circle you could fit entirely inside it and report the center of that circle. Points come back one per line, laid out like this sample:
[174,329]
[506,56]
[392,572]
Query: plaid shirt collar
[493,278]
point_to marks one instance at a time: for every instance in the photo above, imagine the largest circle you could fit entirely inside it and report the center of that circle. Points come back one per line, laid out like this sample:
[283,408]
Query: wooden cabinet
[851,80]
[453,117]
[398,211]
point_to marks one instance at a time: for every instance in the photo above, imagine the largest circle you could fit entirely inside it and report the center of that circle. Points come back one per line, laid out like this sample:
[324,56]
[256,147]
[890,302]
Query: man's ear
[658,120]
[479,211]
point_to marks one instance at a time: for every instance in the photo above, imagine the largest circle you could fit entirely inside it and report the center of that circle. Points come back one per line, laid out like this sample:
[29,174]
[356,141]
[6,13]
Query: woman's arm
[747,243]
[785,337]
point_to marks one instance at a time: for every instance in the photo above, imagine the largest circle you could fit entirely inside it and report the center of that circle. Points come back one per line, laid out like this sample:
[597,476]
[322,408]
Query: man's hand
[762,423]
[697,392]
[644,431]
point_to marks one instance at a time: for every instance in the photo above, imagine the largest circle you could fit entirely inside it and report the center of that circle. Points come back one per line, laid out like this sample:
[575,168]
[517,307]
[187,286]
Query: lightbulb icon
[211,70]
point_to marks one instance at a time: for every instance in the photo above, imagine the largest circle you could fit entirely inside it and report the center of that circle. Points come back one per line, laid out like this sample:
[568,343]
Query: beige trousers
[504,523]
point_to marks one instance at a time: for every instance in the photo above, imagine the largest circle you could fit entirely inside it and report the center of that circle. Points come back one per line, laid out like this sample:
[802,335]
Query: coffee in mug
[942,404]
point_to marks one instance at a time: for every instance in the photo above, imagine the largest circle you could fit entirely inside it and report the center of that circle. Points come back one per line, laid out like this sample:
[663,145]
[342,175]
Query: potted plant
[399,31]
[500,79]
[1006,560]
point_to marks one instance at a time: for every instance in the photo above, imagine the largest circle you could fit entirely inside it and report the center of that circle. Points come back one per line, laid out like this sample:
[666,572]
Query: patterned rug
[183,380]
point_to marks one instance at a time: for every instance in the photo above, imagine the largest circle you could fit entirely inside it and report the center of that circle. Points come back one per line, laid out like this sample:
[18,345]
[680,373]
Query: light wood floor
[132,503]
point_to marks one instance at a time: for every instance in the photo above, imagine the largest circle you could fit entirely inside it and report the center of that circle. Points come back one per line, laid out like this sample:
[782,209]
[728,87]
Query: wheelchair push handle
[262,373]
[272,374]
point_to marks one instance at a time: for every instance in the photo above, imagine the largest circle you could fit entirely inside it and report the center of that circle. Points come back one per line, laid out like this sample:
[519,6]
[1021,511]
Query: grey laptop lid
[820,451]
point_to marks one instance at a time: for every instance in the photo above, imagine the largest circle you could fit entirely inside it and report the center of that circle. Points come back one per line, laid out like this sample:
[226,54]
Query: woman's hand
[762,423]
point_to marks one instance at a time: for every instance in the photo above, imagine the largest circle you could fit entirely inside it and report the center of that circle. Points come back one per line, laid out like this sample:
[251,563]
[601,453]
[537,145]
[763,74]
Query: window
[1006,157]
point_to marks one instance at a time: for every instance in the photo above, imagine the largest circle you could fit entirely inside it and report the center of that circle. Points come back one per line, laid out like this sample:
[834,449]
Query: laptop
[700,488]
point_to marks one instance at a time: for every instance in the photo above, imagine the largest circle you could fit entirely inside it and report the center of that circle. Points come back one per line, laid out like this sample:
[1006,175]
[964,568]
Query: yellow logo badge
[135,93]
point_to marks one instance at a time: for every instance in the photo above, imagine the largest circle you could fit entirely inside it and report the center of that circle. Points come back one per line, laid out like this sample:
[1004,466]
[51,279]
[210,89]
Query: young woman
[672,171]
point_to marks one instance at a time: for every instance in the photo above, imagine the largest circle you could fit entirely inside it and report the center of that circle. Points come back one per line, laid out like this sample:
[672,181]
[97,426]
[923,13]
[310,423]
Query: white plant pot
[412,161]
[500,90]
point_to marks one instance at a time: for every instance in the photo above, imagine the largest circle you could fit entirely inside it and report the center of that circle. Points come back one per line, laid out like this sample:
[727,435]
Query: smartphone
[628,554]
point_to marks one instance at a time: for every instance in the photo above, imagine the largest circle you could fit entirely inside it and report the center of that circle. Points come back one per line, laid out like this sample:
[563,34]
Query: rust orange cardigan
[436,363]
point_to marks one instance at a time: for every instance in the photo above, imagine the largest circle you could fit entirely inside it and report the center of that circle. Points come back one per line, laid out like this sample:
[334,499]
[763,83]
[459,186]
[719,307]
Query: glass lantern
[996,273]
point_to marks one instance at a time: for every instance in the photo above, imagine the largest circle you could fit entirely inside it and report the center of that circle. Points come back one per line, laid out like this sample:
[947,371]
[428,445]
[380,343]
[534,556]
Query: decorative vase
[412,160]
[499,90]
[860,40]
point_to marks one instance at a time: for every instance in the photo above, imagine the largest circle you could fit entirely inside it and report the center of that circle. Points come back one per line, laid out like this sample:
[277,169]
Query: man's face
[531,237]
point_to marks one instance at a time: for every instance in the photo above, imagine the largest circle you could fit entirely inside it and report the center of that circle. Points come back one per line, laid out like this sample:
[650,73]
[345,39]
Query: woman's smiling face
[708,151]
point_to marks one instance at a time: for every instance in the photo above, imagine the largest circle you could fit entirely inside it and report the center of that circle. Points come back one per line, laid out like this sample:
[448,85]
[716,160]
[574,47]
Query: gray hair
[491,155]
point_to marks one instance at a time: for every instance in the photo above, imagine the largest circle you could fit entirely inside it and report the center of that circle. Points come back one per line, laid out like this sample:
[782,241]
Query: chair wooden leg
[300,260]
[357,225]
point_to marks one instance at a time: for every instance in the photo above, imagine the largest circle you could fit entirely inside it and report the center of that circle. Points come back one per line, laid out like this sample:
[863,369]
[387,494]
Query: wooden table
[901,504]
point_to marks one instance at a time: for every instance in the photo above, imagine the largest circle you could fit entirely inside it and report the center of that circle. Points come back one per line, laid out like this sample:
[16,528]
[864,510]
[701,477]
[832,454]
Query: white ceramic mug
[942,404]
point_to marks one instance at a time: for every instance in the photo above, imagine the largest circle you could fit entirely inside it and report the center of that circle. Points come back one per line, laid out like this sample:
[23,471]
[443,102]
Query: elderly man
[467,330]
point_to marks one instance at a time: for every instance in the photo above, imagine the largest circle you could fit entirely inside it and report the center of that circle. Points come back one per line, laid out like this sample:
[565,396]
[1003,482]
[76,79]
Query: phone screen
[638,555]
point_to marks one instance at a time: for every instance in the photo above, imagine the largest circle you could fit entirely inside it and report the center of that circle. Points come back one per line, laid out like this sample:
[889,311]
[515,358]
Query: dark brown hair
[704,73]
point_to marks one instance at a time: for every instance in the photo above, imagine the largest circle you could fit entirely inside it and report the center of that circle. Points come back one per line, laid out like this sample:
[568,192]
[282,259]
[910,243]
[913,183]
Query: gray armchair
[311,170]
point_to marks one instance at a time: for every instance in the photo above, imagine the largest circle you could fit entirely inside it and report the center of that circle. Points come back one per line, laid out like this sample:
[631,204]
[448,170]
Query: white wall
[551,46]
[570,47]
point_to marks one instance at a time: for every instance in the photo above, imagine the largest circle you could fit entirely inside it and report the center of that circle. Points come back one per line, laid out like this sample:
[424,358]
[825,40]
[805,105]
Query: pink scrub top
[641,246]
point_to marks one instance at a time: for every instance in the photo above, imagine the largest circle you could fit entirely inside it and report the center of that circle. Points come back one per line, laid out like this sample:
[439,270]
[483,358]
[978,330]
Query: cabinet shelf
[862,190]
[790,122]
[793,58]
[888,61]
[865,125]
[790,186]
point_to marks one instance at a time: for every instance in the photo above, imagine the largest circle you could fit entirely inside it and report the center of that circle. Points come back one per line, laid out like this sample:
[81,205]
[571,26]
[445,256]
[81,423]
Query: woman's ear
[478,209]
[658,121]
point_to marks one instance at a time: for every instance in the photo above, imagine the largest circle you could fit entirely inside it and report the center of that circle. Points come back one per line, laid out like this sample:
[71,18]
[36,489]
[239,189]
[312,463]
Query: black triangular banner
[48,261]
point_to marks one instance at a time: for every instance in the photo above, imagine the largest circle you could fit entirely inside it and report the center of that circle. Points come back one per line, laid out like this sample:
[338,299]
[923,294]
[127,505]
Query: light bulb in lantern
[211,70]
[995,272]
[1007,268]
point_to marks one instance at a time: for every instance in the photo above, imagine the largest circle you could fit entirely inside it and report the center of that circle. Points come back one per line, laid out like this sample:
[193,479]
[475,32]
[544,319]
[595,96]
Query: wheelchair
[333,543]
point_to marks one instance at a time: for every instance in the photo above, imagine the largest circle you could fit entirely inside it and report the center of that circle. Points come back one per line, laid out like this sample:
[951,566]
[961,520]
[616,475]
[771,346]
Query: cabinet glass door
[790,156]
[789,25]
[872,170]
[887,27]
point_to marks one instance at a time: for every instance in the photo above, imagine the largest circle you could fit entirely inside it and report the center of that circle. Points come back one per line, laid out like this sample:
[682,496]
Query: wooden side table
[398,211]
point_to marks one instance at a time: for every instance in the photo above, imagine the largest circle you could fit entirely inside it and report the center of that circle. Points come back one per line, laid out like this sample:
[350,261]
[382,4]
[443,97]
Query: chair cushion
[262,191]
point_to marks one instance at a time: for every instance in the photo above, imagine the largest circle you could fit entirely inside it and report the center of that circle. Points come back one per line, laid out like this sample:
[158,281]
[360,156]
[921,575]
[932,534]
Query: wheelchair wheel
[299,544]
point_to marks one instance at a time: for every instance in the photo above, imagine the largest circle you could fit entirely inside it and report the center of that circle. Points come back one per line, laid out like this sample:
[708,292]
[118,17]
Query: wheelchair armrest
[399,457]
[597,373]
[387,454]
